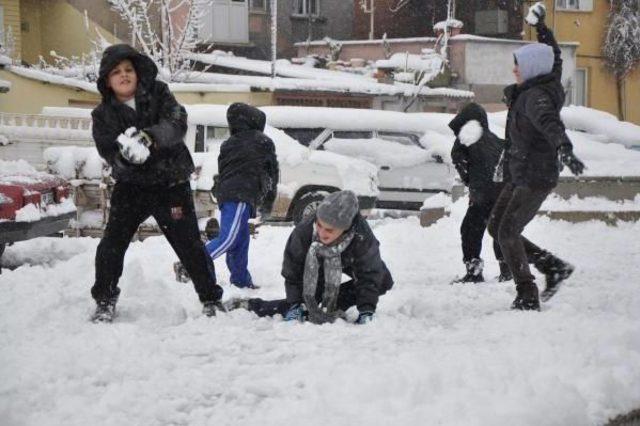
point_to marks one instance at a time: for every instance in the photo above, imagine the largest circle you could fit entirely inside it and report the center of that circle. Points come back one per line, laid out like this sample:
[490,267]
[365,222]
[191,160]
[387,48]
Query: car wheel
[307,204]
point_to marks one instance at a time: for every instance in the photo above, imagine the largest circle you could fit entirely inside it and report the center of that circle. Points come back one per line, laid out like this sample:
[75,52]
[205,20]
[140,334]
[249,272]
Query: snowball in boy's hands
[536,14]
[132,147]
[470,133]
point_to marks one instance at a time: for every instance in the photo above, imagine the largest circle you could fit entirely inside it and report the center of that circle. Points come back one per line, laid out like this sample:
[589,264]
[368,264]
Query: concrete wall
[29,96]
[56,25]
[370,50]
[485,66]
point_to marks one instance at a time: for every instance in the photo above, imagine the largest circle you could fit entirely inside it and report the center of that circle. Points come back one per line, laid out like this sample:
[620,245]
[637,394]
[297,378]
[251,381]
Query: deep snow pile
[437,354]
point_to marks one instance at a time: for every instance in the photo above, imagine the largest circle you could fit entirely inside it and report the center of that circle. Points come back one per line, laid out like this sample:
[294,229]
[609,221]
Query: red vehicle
[32,204]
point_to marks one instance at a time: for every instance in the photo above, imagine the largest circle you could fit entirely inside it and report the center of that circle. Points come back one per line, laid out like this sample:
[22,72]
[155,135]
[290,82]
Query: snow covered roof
[215,82]
[355,119]
[304,78]
[284,68]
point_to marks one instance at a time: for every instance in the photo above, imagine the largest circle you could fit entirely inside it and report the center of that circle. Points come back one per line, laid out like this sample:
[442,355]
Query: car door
[407,172]
[410,174]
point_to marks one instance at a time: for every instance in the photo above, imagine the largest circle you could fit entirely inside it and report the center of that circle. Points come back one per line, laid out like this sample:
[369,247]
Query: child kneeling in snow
[323,246]
[138,129]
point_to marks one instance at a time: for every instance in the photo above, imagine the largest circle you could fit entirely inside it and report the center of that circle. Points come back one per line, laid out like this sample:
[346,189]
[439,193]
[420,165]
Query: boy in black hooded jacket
[138,129]
[475,154]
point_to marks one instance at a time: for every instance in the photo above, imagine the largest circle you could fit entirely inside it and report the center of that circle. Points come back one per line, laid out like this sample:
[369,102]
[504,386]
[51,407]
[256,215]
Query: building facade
[416,18]
[585,22]
[244,26]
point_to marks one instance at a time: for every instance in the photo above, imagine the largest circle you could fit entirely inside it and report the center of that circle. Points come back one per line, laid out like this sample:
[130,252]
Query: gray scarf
[332,277]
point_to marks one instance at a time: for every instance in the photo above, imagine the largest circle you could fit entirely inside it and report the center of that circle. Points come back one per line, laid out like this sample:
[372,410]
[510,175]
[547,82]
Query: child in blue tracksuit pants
[234,241]
[246,183]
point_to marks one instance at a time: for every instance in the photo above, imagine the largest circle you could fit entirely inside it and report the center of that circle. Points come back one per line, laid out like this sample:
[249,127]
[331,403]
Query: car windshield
[402,138]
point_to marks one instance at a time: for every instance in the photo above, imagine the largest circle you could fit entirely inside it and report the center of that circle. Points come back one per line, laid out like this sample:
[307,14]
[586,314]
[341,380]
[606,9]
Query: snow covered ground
[437,354]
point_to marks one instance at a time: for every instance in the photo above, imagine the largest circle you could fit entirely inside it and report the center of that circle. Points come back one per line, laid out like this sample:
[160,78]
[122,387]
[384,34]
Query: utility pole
[274,36]
[371,11]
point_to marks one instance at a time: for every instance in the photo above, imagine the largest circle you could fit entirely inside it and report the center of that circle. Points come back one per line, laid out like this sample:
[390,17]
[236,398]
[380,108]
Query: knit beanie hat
[338,209]
[534,60]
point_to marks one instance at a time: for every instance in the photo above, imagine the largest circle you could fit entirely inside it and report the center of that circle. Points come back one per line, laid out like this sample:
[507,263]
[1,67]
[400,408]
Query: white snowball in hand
[532,18]
[132,148]
[470,133]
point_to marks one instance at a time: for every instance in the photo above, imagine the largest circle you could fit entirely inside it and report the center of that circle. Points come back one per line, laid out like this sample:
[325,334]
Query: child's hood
[243,117]
[146,69]
[471,111]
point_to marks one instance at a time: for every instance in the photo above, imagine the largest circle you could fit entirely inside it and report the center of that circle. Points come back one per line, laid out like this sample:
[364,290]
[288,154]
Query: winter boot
[105,310]
[210,308]
[474,272]
[505,272]
[555,271]
[527,297]
[181,273]
[554,279]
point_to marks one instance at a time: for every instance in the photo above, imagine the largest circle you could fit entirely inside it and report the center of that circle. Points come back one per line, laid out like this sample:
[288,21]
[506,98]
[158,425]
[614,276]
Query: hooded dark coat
[534,129]
[476,163]
[157,113]
[360,260]
[247,165]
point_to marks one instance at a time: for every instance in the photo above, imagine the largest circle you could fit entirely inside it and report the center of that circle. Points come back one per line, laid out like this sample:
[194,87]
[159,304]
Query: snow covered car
[306,176]
[411,151]
[32,204]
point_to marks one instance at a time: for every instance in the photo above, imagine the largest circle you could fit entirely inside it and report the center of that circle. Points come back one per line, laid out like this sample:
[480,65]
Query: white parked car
[411,151]
[306,175]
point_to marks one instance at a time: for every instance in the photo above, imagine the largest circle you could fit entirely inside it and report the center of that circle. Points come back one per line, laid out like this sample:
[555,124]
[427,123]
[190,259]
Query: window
[580,87]
[581,5]
[226,21]
[304,135]
[258,4]
[352,134]
[306,7]
[401,138]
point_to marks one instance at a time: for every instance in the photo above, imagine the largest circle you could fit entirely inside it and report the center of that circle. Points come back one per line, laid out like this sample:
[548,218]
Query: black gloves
[568,158]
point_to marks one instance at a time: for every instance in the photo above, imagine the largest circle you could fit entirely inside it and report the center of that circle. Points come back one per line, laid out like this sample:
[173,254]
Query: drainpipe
[373,8]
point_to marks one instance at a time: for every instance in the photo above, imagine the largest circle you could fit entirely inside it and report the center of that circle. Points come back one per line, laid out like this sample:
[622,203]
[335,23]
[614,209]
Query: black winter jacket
[247,165]
[157,113]
[360,260]
[476,163]
[534,129]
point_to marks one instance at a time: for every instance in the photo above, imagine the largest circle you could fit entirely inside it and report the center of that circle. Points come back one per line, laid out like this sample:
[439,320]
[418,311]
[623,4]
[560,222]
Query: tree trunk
[619,87]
